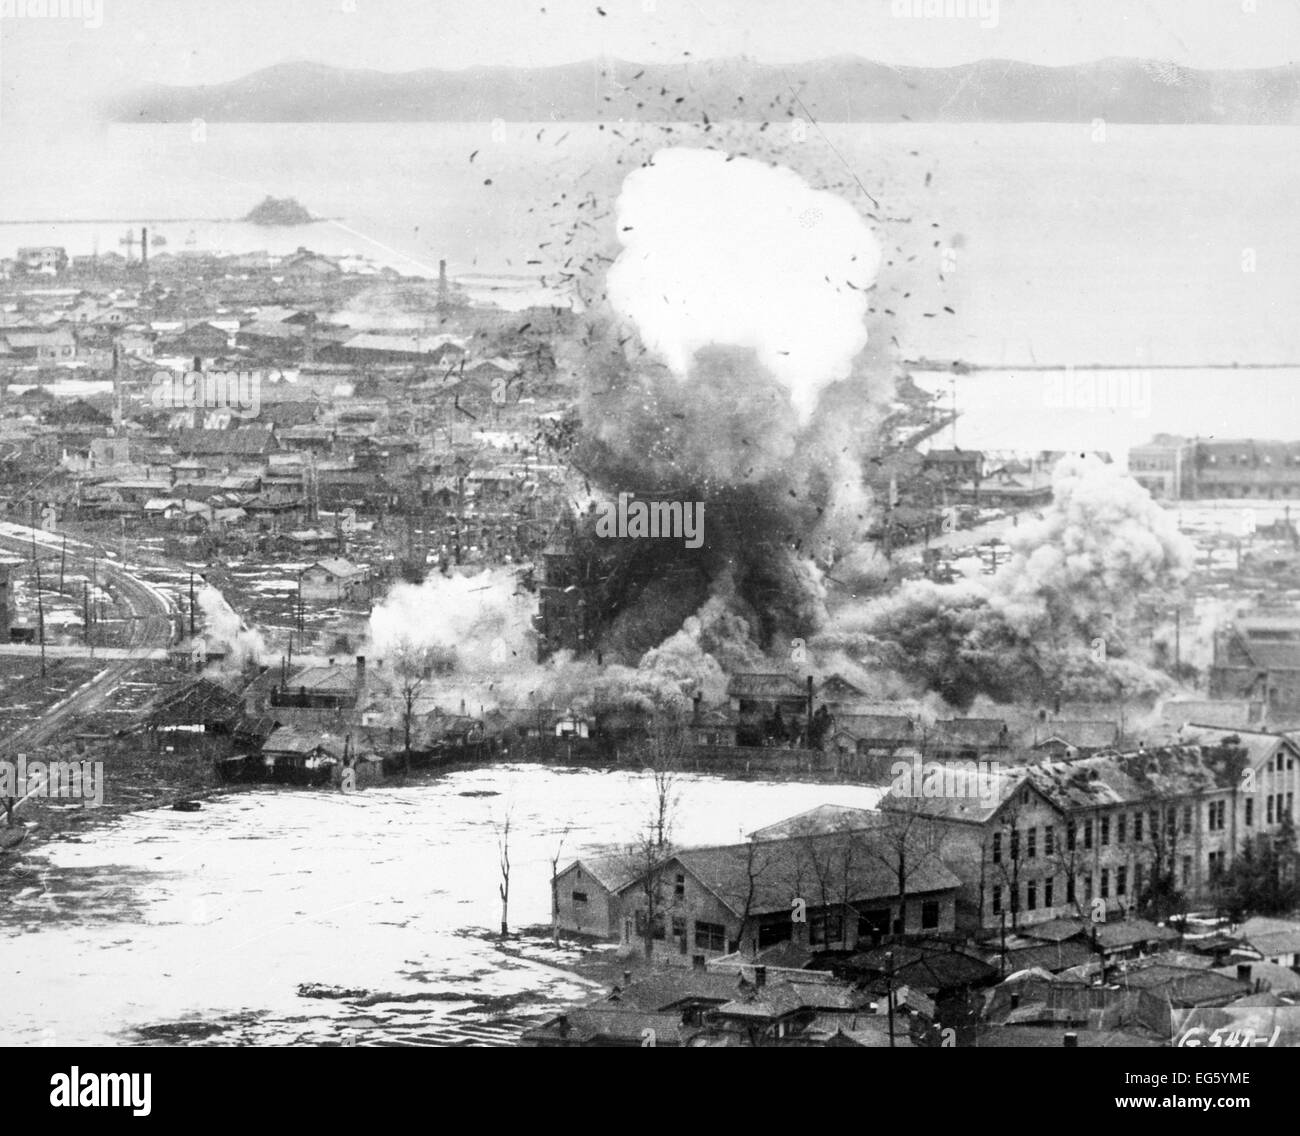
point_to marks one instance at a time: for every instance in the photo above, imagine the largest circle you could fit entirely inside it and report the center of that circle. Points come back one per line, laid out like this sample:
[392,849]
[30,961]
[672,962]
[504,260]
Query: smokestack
[760,976]
[442,283]
[1070,1040]
[627,979]
[1015,1000]
[144,247]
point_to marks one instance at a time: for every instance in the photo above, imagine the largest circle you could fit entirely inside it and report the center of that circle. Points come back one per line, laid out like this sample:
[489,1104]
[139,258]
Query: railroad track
[150,626]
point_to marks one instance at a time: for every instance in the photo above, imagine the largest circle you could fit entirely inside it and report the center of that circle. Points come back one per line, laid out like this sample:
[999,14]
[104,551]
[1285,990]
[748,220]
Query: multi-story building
[1049,840]
[1247,469]
[1165,467]
[1257,657]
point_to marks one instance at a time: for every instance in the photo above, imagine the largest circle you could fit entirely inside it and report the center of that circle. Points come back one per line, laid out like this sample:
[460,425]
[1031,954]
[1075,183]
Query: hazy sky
[60,61]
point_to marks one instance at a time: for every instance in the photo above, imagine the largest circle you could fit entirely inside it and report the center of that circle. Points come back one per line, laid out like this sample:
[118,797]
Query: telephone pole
[40,617]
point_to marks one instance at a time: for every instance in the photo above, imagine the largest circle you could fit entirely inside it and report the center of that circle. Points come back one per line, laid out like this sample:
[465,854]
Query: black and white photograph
[651,523]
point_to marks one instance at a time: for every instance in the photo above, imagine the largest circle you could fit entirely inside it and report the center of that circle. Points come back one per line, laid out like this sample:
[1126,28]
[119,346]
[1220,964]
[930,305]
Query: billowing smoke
[475,624]
[729,368]
[225,631]
[719,249]
[726,365]
[1056,621]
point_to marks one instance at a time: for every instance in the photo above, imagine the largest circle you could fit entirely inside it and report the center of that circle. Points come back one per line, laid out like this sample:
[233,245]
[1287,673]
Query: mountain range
[841,89]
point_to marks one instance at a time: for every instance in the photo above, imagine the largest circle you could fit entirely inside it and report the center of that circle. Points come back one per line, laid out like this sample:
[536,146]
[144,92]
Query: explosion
[1055,621]
[726,368]
[719,249]
[224,628]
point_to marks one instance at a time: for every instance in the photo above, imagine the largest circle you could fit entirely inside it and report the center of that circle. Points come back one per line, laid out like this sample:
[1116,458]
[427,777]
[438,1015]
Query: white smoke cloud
[223,629]
[730,251]
[478,623]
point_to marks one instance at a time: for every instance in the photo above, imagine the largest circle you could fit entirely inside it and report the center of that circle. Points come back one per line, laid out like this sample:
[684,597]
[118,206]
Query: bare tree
[411,666]
[898,844]
[759,861]
[555,887]
[648,855]
[503,859]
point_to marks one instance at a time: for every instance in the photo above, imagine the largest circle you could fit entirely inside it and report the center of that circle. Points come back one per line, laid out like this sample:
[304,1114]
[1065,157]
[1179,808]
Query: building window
[1031,844]
[1250,811]
[1187,820]
[1215,864]
[1268,812]
[1121,828]
[1121,881]
[579,897]
[658,932]
[997,848]
[1105,883]
[1015,844]
[1290,805]
[929,914]
[1087,834]
[1031,896]
[710,936]
[997,901]
[1137,828]
[679,887]
[825,927]
[1280,758]
[1049,840]
[1070,834]
[1047,890]
[1105,831]
[1187,870]
[1069,889]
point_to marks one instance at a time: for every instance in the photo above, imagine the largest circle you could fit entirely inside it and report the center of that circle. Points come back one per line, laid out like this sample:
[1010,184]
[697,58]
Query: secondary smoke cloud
[1055,621]
[720,249]
[226,631]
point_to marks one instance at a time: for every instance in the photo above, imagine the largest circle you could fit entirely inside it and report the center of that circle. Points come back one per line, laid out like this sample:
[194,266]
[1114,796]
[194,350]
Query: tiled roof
[876,727]
[820,820]
[786,868]
[969,731]
[1272,937]
[244,440]
[765,686]
[1082,735]
[668,989]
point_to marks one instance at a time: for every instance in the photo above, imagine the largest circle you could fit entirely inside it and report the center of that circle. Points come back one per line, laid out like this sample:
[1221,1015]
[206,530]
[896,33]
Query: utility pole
[191,604]
[40,617]
[1178,640]
[889,993]
[63,561]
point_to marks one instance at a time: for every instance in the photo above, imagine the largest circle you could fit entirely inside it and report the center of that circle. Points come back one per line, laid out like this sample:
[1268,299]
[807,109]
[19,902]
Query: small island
[279,211]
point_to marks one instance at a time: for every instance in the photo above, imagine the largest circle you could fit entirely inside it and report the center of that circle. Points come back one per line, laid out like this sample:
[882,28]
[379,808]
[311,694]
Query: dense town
[215,469]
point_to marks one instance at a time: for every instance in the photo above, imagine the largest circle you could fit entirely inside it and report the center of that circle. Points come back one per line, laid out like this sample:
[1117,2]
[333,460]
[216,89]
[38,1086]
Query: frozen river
[203,927]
